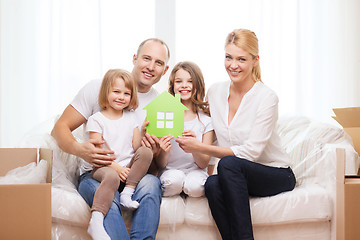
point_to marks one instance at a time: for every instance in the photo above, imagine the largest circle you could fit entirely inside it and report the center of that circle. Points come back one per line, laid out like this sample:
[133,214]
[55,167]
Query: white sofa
[307,212]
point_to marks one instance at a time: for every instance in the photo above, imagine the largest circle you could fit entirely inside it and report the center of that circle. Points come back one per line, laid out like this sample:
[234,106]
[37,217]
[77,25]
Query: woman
[244,113]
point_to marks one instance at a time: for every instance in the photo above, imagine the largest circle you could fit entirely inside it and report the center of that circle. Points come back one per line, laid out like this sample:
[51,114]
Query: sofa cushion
[308,203]
[172,210]
[304,204]
[197,211]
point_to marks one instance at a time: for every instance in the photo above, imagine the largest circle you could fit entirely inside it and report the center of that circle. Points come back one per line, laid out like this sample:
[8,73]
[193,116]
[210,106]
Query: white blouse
[250,135]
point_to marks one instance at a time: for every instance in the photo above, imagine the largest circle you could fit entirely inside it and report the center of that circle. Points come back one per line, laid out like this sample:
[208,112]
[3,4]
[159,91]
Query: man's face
[149,65]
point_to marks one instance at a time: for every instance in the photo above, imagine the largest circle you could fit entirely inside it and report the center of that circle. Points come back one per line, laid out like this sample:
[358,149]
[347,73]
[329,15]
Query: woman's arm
[201,159]
[191,145]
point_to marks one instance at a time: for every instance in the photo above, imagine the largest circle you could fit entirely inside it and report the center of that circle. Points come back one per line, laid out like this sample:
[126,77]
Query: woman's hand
[188,144]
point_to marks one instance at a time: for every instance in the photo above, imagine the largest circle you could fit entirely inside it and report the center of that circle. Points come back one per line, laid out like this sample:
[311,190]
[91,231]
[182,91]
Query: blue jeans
[228,193]
[145,219]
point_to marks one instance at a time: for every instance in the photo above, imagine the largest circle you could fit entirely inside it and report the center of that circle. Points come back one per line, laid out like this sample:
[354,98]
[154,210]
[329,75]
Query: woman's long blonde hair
[246,40]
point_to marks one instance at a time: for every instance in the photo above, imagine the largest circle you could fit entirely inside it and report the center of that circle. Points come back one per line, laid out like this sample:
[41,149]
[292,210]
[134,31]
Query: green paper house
[165,115]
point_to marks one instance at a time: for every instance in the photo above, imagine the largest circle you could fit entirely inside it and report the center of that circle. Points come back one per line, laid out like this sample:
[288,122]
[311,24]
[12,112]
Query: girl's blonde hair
[248,41]
[108,82]
[198,90]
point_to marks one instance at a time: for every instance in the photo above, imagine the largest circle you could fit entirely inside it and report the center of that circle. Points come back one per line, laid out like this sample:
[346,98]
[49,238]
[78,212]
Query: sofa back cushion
[311,146]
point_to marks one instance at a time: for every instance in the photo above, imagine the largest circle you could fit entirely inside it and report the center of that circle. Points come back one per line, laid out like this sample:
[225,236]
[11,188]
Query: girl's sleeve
[93,125]
[208,124]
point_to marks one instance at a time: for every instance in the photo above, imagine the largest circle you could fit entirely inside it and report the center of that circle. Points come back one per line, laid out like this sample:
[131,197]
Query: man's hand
[152,142]
[98,157]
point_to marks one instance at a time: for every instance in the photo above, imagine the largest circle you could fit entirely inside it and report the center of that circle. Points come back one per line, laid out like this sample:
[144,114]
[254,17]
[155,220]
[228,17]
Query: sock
[96,227]
[125,198]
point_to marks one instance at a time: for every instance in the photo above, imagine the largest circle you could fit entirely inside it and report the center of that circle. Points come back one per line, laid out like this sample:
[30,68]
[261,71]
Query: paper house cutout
[165,115]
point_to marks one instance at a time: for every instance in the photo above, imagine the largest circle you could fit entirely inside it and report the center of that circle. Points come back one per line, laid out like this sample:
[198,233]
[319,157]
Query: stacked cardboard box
[25,209]
[348,187]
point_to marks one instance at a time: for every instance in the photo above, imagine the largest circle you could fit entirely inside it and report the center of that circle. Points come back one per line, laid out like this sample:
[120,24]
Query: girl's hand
[123,173]
[189,133]
[143,128]
[152,142]
[165,143]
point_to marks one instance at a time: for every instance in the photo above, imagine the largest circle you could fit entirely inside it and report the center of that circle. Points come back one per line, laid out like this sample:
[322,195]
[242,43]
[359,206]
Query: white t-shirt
[180,160]
[250,135]
[86,102]
[118,134]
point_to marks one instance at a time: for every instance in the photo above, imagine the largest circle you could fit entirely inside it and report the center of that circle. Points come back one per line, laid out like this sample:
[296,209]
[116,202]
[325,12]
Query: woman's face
[183,84]
[239,64]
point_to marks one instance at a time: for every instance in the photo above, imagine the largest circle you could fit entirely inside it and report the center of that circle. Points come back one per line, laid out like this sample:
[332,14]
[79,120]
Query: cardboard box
[349,119]
[25,209]
[347,202]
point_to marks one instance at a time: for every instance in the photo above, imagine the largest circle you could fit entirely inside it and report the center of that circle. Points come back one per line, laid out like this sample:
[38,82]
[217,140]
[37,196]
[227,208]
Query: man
[150,64]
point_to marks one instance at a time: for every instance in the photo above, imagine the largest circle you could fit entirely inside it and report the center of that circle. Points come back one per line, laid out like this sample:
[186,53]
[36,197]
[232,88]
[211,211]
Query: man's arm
[62,132]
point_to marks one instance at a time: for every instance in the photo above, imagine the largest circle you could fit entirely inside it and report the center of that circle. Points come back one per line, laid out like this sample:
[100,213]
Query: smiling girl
[117,125]
[181,171]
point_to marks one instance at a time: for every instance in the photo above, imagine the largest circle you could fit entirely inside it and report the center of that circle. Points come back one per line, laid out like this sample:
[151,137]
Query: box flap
[47,155]
[347,117]
[11,158]
[355,135]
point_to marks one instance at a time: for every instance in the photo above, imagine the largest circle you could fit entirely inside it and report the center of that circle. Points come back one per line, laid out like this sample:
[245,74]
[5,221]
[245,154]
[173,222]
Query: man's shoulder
[93,84]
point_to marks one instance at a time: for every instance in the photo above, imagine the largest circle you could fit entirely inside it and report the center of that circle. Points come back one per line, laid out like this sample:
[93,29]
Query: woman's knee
[227,162]
[211,184]
[231,163]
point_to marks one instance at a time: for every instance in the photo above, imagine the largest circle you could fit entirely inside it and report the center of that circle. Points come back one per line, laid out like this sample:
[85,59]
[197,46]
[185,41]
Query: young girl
[182,171]
[116,124]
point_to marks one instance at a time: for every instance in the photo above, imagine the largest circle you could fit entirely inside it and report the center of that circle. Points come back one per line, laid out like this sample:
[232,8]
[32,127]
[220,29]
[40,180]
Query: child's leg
[139,165]
[194,183]
[172,182]
[104,195]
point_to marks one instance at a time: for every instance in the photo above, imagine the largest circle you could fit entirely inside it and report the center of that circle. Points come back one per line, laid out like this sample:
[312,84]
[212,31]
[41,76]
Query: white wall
[309,51]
